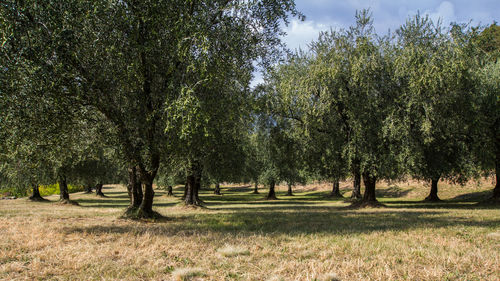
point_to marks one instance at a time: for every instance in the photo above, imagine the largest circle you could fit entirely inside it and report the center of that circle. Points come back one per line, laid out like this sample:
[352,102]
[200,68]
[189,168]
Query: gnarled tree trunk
[36,194]
[289,192]
[193,180]
[217,189]
[146,207]
[170,191]
[256,187]
[370,182]
[433,195]
[272,194]
[63,189]
[336,189]
[98,190]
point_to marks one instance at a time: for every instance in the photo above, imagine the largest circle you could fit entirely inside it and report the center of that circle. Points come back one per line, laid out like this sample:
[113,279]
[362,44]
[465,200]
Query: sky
[321,15]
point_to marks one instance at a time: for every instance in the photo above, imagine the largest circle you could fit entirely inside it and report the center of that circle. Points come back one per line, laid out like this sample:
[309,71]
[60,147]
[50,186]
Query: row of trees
[159,90]
[422,102]
[159,83]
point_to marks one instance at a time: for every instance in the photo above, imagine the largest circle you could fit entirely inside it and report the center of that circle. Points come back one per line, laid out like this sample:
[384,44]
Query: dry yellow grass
[306,237]
[232,251]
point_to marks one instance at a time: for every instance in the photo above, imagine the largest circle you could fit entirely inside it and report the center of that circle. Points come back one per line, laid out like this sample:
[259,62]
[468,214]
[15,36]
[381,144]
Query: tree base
[432,199]
[100,194]
[255,192]
[194,203]
[170,194]
[334,195]
[68,202]
[37,199]
[136,213]
[366,204]
[271,197]
[356,197]
[289,194]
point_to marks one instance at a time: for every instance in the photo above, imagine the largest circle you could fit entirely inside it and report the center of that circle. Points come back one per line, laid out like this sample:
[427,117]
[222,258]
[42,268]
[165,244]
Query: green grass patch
[45,190]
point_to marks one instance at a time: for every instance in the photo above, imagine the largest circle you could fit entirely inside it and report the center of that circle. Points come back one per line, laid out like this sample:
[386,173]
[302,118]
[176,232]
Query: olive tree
[138,62]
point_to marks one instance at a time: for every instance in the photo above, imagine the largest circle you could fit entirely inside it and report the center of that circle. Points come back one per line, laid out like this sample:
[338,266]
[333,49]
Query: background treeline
[140,92]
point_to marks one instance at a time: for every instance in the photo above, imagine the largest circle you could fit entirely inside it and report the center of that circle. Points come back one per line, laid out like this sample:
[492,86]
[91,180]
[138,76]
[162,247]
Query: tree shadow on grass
[445,204]
[298,222]
[473,196]
[393,192]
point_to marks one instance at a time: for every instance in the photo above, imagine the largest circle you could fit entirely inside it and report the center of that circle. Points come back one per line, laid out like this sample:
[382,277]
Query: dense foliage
[92,91]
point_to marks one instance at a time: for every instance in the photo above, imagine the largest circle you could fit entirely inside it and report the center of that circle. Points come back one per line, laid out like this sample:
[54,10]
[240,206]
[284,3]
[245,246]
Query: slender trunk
[256,187]
[63,189]
[336,188]
[272,194]
[170,192]
[36,194]
[356,192]
[433,195]
[135,189]
[217,189]
[289,192]
[369,182]
[98,190]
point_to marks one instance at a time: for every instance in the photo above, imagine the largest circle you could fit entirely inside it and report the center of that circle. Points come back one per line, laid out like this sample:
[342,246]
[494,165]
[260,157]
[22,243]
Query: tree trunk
[140,192]
[88,189]
[135,189]
[169,191]
[146,207]
[98,190]
[336,189]
[36,194]
[192,185]
[496,190]
[272,194]
[289,192]
[185,191]
[63,189]
[191,192]
[433,195]
[356,192]
[256,187]
[197,182]
[369,181]
[217,189]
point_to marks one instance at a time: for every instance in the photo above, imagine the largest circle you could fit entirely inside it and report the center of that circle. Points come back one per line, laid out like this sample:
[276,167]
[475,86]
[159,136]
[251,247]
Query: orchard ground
[241,236]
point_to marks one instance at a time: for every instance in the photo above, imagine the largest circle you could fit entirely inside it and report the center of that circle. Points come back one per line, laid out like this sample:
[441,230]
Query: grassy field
[240,236]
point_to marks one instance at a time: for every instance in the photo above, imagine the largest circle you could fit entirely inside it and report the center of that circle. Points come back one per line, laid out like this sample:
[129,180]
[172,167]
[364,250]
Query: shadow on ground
[306,221]
[247,214]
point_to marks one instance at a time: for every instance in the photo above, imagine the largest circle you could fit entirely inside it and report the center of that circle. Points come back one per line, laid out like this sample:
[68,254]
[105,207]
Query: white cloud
[301,33]
[445,12]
